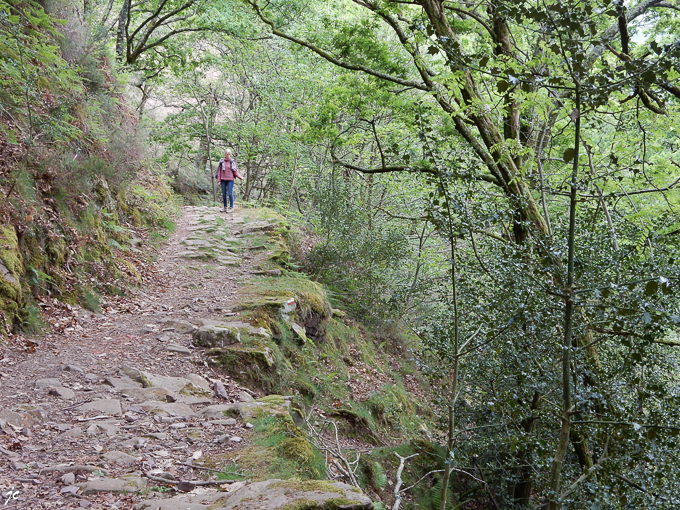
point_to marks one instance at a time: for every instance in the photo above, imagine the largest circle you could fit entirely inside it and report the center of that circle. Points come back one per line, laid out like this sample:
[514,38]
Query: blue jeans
[227,187]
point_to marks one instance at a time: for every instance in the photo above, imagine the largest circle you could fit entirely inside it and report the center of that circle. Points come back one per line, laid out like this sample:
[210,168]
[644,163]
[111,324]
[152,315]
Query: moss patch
[307,485]
[264,298]
[278,449]
[272,399]
[11,272]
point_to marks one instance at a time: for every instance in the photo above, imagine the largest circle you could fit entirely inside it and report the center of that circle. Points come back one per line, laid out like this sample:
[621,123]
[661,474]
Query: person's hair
[228,151]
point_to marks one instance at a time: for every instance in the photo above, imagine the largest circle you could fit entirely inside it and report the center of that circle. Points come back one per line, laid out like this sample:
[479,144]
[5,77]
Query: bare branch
[608,34]
[397,486]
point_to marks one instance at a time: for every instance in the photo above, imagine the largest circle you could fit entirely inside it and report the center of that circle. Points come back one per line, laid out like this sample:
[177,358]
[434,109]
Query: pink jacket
[228,172]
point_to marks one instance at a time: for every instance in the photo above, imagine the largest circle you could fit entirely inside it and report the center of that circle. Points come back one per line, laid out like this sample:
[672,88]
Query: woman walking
[227,171]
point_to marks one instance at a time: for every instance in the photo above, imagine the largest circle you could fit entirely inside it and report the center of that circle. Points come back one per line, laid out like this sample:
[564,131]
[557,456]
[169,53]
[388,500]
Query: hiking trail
[118,410]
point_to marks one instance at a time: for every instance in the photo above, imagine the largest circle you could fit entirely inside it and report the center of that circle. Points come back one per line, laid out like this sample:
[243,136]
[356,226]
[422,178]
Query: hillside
[80,197]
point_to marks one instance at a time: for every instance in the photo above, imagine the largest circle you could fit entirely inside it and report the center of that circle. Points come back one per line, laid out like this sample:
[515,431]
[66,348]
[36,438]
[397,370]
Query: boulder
[248,365]
[216,336]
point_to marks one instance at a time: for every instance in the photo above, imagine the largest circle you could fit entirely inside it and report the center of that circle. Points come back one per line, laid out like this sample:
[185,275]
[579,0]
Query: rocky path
[117,409]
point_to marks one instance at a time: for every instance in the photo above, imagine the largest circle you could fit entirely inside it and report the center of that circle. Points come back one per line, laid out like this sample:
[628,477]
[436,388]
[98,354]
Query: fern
[379,476]
[115,244]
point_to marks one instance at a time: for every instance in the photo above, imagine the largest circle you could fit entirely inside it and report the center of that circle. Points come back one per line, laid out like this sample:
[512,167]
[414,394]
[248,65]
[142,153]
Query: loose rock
[104,406]
[65,393]
[121,458]
[125,484]
[68,479]
[46,383]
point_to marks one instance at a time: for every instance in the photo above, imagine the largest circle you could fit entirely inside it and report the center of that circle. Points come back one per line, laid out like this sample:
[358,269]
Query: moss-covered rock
[280,448]
[55,248]
[272,399]
[103,194]
[279,257]
[267,300]
[272,494]
[11,272]
[248,411]
[248,365]
[353,424]
[216,336]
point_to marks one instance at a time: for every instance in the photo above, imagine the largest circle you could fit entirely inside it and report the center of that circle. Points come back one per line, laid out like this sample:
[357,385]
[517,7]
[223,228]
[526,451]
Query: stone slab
[109,406]
[153,393]
[122,383]
[117,485]
[121,458]
[169,409]
[65,393]
[46,383]
[24,417]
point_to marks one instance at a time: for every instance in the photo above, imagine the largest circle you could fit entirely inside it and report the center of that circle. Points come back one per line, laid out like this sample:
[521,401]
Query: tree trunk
[249,182]
[202,154]
[121,35]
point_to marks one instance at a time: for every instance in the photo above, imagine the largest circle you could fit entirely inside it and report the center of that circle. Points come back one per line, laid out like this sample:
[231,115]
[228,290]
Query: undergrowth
[79,197]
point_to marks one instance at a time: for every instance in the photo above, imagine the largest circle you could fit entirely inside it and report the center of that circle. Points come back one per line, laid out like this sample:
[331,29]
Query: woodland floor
[75,428]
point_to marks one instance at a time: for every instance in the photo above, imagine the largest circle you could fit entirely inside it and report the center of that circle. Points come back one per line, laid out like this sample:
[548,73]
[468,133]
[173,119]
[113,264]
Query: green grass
[31,320]
[91,300]
[279,449]
[226,474]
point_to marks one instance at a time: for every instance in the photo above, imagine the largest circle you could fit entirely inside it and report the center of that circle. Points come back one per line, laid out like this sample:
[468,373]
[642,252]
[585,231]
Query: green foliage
[467,147]
[31,320]
[360,253]
[27,55]
[70,149]
[91,300]
[377,476]
[37,278]
[291,455]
